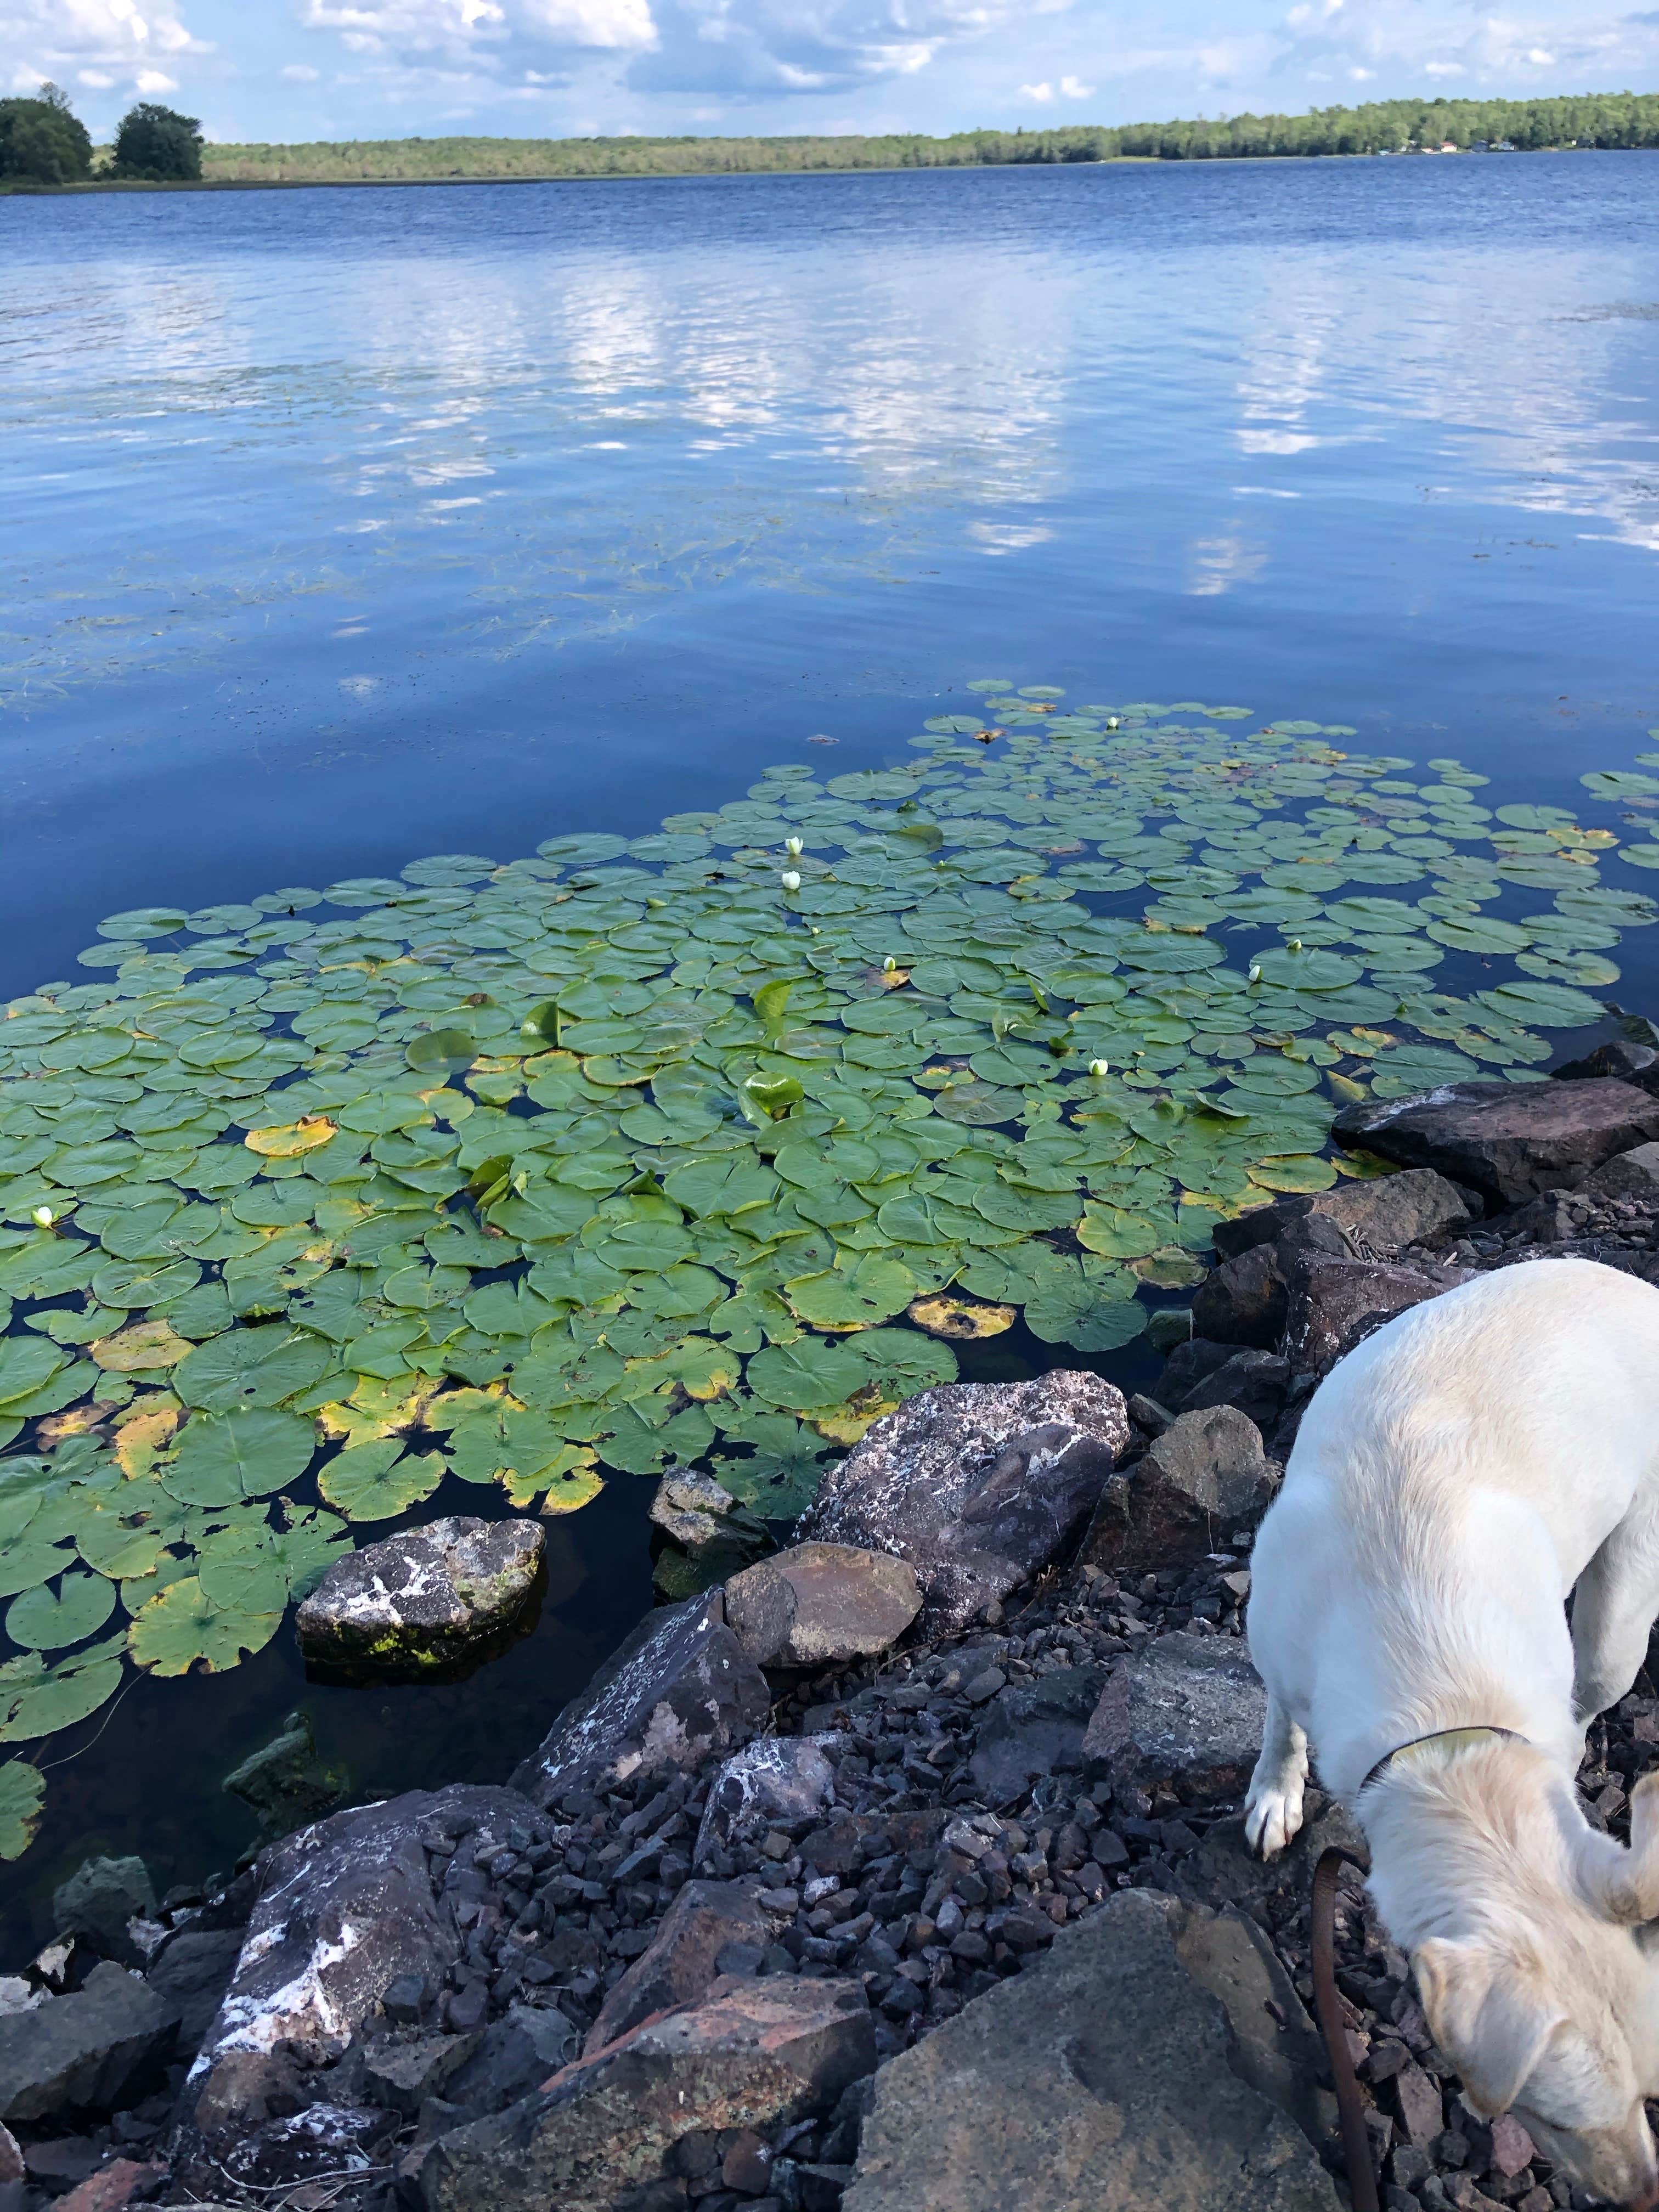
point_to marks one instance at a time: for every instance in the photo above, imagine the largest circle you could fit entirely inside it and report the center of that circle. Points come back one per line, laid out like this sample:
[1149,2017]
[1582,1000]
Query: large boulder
[771,1783]
[819,1605]
[86,2052]
[679,1691]
[1032,1728]
[1206,1476]
[1629,1061]
[1335,1304]
[1372,1219]
[426,1604]
[704,1919]
[978,1484]
[753,2054]
[1137,2065]
[192,1970]
[346,1908]
[1186,1709]
[1508,1141]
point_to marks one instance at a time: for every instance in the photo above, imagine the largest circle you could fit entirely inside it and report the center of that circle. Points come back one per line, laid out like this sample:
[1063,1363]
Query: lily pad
[42,1621]
[182,1628]
[22,1799]
[376,1481]
[967,1321]
[222,1459]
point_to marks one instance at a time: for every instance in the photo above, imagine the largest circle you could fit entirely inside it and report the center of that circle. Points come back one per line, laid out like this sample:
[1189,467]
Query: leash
[1356,2137]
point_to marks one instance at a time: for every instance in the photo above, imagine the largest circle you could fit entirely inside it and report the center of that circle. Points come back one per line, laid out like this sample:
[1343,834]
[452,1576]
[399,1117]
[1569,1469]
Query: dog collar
[1453,1739]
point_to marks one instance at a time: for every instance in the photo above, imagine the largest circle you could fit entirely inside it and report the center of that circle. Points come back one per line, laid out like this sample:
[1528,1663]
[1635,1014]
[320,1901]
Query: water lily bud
[1100,1067]
[1111,721]
[793,845]
[790,879]
[42,1217]
[888,965]
[1256,972]
[1295,944]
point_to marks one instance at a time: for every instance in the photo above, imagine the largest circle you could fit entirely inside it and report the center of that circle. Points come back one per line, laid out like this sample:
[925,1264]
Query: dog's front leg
[1272,1808]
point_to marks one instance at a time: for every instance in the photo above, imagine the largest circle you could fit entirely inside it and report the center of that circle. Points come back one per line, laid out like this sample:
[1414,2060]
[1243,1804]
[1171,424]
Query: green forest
[41,145]
[1616,119]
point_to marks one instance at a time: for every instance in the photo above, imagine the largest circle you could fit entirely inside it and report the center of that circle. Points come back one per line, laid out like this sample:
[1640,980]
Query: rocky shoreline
[904,1868]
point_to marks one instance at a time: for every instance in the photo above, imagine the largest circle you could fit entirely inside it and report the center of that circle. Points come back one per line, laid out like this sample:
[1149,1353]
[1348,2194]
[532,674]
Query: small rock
[401,2073]
[1114,2076]
[1206,1476]
[1512,2149]
[419,1605]
[1185,1709]
[1186,1367]
[1508,1141]
[1335,1304]
[321,2142]
[1627,1174]
[1242,1301]
[819,1605]
[1148,1414]
[1253,1382]
[286,1784]
[114,2186]
[98,1901]
[776,1778]
[977,1485]
[514,2057]
[63,2161]
[85,2052]
[1637,1064]
[678,1691]
[1417,2104]
[680,1965]
[1033,1729]
[695,1510]
[753,2054]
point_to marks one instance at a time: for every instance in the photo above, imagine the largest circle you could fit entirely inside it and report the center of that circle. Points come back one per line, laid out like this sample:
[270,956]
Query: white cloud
[473,33]
[1041,92]
[1072,87]
[748,48]
[1442,68]
[301,73]
[1537,56]
[100,44]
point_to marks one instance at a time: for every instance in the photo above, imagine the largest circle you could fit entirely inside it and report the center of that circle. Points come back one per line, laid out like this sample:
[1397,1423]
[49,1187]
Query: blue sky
[336,69]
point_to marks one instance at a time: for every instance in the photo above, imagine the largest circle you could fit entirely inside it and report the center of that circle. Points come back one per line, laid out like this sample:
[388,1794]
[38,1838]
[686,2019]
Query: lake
[352,526]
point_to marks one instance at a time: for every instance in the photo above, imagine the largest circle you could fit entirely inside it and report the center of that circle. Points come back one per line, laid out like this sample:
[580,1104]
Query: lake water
[346,526]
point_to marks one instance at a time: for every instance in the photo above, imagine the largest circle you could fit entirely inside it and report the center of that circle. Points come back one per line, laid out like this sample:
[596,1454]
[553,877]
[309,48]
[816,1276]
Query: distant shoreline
[19,189]
[1419,128]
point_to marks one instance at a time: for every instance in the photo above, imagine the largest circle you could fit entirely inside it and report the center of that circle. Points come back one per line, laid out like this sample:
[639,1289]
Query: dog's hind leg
[1613,1609]
[1273,1808]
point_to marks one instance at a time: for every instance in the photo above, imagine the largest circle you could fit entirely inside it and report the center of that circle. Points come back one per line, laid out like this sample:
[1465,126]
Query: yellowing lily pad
[968,1320]
[140,1348]
[289,1139]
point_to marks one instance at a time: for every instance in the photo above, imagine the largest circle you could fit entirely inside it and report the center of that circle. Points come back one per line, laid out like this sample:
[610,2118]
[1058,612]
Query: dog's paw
[1272,1817]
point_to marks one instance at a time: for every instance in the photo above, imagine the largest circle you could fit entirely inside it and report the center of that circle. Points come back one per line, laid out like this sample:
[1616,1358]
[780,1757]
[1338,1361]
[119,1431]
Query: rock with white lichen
[429,1603]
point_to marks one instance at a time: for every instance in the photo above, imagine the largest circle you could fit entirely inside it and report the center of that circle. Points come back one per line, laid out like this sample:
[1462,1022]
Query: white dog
[1454,1478]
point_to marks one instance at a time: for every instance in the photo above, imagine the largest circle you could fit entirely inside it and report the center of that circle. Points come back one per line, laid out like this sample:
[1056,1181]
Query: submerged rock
[424,1603]
[1138,2064]
[977,1485]
[681,1689]
[99,1901]
[1509,1140]
[286,1784]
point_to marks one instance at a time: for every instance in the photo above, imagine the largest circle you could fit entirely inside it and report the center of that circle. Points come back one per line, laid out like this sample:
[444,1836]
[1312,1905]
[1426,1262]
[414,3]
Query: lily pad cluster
[701,1146]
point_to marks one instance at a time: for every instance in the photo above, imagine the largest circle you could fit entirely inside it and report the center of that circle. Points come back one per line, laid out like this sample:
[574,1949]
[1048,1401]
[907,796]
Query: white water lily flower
[1111,721]
[1256,972]
[1100,1067]
[790,879]
[42,1217]
[794,847]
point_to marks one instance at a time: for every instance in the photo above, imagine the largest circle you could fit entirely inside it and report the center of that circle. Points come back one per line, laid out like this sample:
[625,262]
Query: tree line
[42,142]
